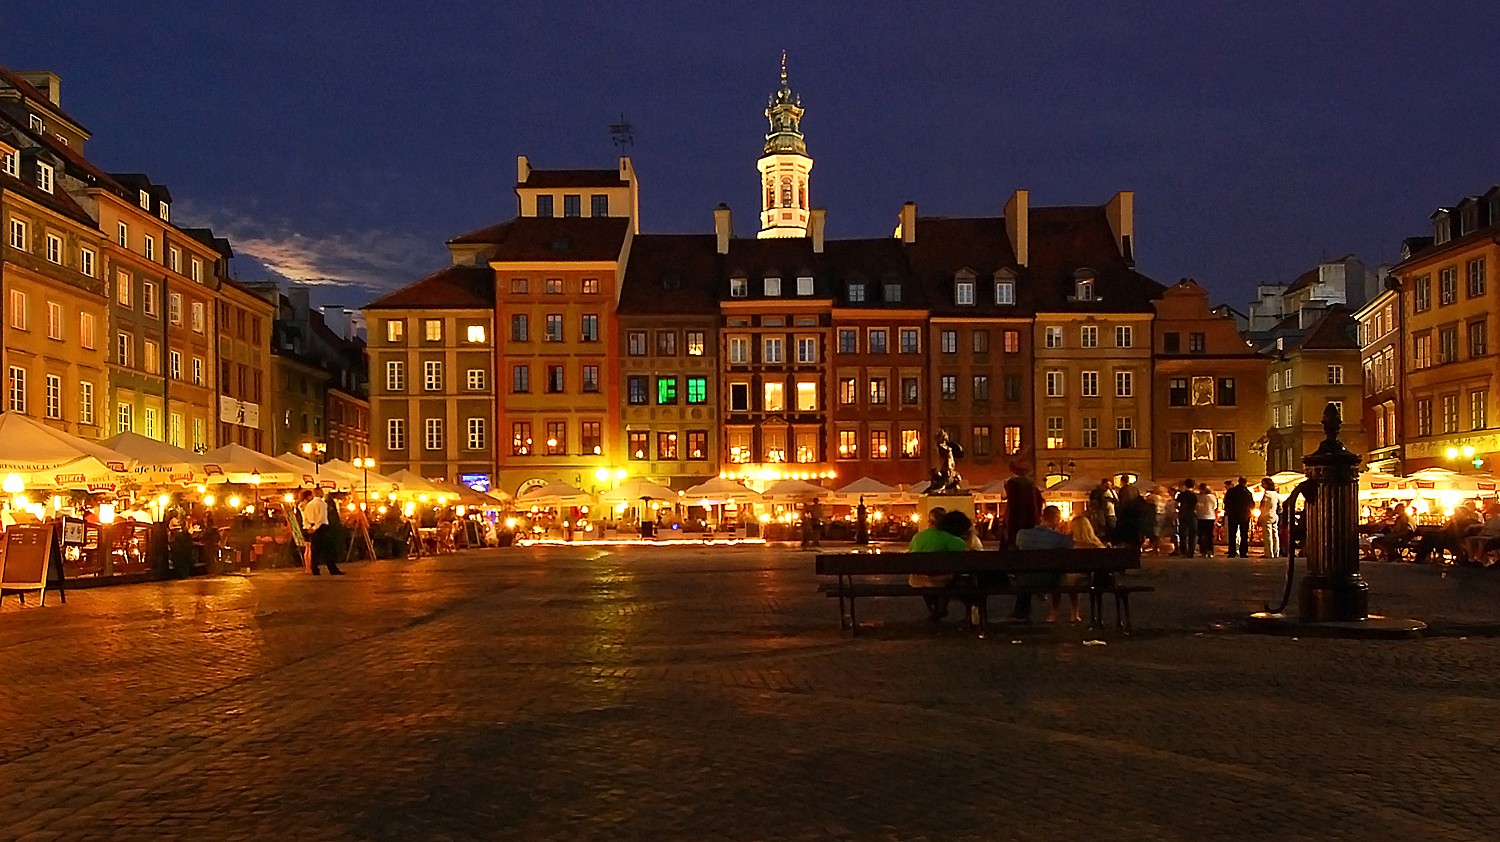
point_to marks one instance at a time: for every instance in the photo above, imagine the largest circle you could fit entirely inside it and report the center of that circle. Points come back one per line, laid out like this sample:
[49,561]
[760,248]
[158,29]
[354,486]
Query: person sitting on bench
[944,534]
[1047,535]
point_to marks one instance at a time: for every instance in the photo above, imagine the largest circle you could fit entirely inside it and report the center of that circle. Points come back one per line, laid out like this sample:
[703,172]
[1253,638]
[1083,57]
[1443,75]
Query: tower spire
[785,166]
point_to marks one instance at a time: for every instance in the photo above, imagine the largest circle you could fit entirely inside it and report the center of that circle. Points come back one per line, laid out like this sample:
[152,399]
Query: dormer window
[892,293]
[10,164]
[963,287]
[1470,219]
[804,286]
[1442,230]
[544,205]
[1083,285]
[855,293]
[1005,287]
[36,123]
[145,200]
[739,287]
[161,211]
[45,177]
[773,287]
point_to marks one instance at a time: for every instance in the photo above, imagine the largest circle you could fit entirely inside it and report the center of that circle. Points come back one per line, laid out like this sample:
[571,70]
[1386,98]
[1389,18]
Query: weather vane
[620,134]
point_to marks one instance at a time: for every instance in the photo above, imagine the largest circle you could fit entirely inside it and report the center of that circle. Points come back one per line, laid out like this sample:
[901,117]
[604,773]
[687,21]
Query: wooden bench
[855,572]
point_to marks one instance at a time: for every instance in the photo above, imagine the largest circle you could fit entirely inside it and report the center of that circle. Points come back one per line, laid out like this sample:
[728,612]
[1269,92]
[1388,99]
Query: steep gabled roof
[671,274]
[1064,240]
[1336,330]
[536,238]
[453,288]
[946,246]
[30,92]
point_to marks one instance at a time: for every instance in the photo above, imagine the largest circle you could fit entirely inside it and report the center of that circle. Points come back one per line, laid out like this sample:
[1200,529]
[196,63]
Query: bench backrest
[1110,560]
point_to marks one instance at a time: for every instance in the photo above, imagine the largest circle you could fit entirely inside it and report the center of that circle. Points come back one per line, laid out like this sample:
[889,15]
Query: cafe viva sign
[1438,448]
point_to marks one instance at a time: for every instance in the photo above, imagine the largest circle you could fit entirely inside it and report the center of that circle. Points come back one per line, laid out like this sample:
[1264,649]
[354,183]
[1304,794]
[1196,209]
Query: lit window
[432,329]
[1055,432]
[807,397]
[775,395]
[476,333]
[45,177]
[772,287]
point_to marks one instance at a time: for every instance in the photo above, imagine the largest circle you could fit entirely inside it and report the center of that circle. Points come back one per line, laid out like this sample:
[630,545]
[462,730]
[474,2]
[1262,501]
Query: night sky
[342,149]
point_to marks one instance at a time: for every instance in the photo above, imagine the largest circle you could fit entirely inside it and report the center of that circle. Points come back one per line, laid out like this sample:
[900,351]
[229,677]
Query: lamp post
[255,481]
[365,464]
[314,451]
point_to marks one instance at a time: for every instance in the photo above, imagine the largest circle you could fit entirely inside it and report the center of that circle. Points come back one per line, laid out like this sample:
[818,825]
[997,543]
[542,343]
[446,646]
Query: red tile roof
[1335,330]
[28,90]
[453,288]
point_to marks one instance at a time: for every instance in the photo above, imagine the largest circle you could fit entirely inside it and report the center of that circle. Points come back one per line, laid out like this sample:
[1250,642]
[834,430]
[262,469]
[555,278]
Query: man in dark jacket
[1187,519]
[1239,504]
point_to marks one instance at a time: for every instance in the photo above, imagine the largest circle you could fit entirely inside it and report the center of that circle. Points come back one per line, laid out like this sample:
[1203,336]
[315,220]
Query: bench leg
[853,620]
[1096,609]
[979,616]
[1125,603]
[843,618]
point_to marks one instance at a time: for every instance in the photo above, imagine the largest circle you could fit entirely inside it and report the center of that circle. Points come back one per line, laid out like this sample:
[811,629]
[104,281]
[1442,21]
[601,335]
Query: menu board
[28,552]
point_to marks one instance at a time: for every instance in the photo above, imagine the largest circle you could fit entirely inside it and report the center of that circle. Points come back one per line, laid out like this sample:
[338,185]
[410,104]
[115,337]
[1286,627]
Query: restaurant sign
[1438,448]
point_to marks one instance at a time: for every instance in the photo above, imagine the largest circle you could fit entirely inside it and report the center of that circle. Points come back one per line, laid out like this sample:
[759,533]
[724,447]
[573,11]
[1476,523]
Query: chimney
[909,222]
[815,220]
[723,229]
[1121,213]
[45,81]
[1018,226]
[523,169]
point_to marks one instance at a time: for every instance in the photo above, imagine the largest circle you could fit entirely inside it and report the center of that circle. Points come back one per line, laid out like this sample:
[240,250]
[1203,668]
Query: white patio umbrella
[412,484]
[241,464]
[794,491]
[28,445]
[162,463]
[1075,488]
[1442,479]
[555,494]
[379,484]
[635,488]
[992,492]
[720,490]
[871,491]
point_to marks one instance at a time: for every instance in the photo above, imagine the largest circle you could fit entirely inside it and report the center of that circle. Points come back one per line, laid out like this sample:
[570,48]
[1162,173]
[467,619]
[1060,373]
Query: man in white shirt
[315,527]
[1208,513]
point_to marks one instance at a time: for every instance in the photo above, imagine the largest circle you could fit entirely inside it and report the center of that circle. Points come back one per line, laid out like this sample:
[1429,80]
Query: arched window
[802,191]
[770,194]
[786,192]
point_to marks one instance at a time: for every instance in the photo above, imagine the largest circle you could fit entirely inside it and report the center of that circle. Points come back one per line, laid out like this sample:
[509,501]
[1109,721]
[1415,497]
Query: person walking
[1239,506]
[1104,503]
[1208,514]
[1270,519]
[1187,519]
[315,527]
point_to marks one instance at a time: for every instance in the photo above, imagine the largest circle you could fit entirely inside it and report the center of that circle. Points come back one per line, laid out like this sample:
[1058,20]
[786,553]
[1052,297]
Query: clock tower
[785,167]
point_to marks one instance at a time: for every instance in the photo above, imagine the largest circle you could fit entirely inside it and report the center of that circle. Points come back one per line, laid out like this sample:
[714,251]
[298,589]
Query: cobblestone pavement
[695,694]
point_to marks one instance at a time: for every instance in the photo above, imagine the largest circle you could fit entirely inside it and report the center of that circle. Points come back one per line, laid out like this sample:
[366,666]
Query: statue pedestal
[958,501]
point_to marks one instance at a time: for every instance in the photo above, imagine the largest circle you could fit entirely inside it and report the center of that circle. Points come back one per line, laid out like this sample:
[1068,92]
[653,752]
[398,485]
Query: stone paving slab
[589,693]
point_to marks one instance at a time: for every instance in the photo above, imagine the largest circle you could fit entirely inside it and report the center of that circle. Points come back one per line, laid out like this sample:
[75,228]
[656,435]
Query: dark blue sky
[346,142]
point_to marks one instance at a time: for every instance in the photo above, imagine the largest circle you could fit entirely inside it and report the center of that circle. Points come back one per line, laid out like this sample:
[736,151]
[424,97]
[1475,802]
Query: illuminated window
[1055,432]
[666,391]
[773,440]
[807,397]
[848,391]
[775,394]
[557,438]
[807,446]
[1012,440]
[739,445]
[695,343]
[395,329]
[911,444]
[697,445]
[636,442]
[591,437]
[520,438]
[666,446]
[880,445]
[475,333]
[432,330]
[877,391]
[848,444]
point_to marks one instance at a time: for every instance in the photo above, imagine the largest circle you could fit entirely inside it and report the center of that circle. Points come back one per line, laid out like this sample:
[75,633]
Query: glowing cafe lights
[13,484]
[208,499]
[234,502]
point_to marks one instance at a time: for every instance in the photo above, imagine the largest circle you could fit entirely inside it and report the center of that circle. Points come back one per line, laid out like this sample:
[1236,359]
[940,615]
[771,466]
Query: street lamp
[314,451]
[364,463]
[255,481]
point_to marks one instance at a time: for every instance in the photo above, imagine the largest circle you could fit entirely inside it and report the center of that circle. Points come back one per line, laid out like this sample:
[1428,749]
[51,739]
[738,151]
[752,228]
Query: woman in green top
[946,533]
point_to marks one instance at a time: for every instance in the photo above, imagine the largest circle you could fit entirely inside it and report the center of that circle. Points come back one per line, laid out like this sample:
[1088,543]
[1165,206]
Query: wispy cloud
[371,260]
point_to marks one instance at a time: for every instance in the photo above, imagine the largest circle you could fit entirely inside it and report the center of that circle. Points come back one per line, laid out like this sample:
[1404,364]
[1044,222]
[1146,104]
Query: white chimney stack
[723,228]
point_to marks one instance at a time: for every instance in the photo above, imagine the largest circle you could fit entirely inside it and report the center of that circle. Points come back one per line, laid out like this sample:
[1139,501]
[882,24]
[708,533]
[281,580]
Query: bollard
[1333,590]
